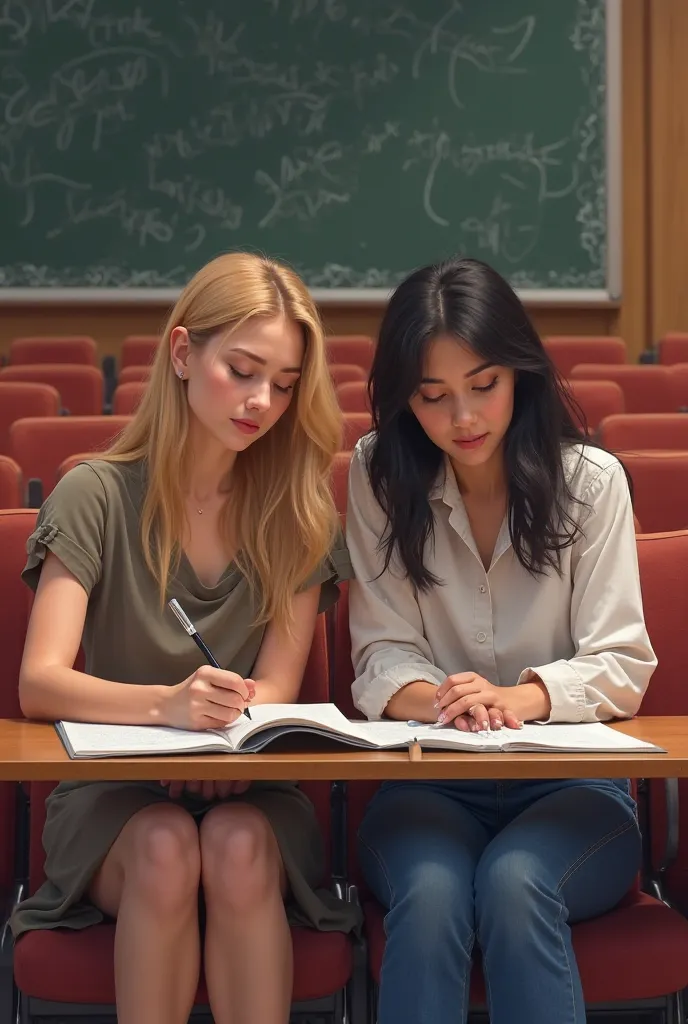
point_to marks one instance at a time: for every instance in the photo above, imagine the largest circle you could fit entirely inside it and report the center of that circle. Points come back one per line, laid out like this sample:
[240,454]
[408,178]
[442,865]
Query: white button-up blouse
[582,632]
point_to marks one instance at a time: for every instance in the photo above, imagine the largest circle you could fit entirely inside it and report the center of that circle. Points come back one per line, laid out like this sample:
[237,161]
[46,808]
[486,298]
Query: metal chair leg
[675,1009]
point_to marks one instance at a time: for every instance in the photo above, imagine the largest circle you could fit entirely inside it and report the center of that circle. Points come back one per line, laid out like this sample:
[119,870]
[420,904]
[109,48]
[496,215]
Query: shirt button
[481,638]
[481,589]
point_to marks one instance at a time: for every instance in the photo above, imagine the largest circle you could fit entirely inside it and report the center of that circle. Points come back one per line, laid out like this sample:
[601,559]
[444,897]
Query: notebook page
[590,736]
[263,716]
[95,738]
[385,735]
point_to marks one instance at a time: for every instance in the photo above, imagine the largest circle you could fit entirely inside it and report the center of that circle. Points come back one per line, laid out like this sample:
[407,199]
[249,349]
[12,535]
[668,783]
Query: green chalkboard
[356,139]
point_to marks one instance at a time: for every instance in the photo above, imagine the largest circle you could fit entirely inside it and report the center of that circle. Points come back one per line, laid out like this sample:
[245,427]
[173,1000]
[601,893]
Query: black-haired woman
[496,582]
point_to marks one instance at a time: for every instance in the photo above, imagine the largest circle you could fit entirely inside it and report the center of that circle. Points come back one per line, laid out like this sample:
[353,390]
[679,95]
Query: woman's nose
[462,413]
[260,397]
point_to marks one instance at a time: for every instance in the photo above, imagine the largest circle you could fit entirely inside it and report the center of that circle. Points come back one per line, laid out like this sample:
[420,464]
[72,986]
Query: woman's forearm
[528,701]
[55,692]
[415,701]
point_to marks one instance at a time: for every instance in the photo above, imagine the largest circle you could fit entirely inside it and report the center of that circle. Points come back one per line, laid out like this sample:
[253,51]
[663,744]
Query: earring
[181,374]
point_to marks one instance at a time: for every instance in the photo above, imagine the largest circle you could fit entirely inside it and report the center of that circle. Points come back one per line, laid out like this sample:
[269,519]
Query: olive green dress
[91,522]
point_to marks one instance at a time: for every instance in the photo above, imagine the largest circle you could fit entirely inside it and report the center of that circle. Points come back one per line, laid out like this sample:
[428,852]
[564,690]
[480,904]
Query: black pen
[196,637]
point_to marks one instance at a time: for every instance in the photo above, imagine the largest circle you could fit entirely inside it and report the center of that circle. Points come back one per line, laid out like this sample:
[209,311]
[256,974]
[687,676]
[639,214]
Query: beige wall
[655,213]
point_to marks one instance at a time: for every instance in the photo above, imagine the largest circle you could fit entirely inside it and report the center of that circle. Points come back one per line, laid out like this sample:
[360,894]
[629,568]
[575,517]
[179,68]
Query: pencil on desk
[415,751]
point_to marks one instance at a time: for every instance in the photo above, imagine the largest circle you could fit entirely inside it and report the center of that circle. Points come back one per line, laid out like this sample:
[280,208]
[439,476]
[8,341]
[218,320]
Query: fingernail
[442,718]
[484,725]
[436,704]
[497,725]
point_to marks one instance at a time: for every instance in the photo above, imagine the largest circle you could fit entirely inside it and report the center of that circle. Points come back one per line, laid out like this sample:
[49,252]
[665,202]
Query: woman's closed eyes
[283,389]
[434,399]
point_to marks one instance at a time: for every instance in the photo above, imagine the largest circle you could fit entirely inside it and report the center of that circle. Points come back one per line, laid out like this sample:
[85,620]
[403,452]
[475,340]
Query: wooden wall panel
[108,325]
[668,168]
[632,323]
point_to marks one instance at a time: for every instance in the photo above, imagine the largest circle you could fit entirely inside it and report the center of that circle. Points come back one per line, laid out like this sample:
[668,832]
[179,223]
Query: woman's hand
[210,698]
[208,789]
[467,723]
[471,703]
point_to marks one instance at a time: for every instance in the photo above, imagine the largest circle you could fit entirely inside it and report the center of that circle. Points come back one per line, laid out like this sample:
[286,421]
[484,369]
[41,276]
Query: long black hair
[470,301]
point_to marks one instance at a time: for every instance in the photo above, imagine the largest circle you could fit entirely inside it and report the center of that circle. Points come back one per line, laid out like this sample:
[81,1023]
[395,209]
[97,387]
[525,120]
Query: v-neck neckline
[189,578]
[450,494]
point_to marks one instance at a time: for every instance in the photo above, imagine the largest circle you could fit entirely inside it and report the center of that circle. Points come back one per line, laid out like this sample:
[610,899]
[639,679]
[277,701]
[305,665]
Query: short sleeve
[335,568]
[71,524]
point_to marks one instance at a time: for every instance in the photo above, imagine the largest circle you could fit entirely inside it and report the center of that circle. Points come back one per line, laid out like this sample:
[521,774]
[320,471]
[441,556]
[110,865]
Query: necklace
[200,511]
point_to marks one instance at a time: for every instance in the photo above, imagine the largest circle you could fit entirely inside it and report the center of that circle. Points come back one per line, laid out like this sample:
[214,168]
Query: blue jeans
[509,865]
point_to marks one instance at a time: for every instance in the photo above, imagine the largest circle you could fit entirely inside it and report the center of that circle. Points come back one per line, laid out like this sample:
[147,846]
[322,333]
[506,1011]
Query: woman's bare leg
[248,952]
[149,882]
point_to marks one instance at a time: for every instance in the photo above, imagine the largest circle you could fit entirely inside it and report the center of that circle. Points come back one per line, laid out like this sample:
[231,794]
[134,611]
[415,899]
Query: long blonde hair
[285,521]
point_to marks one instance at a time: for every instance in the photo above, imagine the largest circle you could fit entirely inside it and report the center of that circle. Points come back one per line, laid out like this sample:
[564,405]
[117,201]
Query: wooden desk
[31,751]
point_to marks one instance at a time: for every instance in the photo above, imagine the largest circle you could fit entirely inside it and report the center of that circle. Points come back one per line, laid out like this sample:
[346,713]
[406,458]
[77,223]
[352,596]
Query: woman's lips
[468,443]
[245,426]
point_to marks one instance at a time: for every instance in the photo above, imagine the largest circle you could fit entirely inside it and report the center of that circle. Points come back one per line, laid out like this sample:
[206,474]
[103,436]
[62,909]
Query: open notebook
[271,721]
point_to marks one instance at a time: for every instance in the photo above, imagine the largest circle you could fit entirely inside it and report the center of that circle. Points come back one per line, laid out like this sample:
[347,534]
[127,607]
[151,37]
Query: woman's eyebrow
[479,369]
[471,373]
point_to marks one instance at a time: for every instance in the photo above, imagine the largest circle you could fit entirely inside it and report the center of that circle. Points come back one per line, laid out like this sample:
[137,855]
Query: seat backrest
[566,351]
[356,426]
[126,398]
[340,482]
[355,349]
[314,690]
[80,387]
[353,396]
[342,373]
[660,489]
[679,380]
[358,793]
[595,399]
[68,349]
[138,350]
[134,373]
[645,432]
[673,348]
[15,527]
[40,446]
[342,667]
[72,461]
[18,399]
[11,487]
[15,601]
[663,561]
[645,388]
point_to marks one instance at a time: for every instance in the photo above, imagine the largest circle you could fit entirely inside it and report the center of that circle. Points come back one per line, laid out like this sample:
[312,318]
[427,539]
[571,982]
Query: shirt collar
[446,489]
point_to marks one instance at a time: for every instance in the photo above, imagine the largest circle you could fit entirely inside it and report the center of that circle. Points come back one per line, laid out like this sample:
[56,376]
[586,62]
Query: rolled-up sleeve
[613,660]
[389,649]
[70,524]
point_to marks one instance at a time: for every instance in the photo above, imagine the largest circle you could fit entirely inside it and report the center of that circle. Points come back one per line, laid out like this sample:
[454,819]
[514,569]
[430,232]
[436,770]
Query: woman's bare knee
[241,863]
[156,856]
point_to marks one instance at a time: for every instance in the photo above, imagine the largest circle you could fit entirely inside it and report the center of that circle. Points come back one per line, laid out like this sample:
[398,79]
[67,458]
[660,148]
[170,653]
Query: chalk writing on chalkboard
[355,138]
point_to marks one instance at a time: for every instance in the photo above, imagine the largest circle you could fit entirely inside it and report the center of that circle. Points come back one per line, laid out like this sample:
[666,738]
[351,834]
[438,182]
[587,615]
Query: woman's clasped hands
[473,704]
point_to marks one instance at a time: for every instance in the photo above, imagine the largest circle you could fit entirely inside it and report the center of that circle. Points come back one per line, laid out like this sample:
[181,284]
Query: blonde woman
[216,494]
